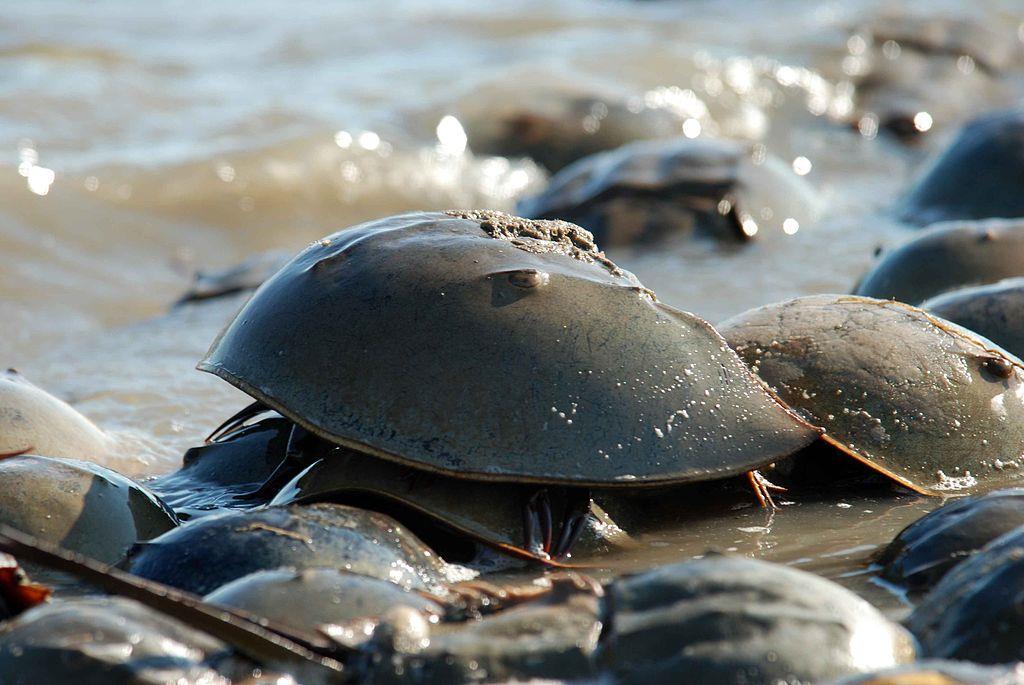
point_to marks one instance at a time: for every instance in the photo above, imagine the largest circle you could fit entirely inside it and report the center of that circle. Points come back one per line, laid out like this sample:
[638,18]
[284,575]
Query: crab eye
[527,278]
[998,367]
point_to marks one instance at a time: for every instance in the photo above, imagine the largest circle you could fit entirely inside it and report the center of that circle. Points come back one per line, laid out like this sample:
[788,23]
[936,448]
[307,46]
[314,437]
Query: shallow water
[145,141]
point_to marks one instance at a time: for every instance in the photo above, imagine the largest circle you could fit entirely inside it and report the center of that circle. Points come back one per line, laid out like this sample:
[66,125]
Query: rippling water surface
[143,141]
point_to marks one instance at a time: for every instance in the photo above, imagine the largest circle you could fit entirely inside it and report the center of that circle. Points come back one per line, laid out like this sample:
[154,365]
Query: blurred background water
[143,141]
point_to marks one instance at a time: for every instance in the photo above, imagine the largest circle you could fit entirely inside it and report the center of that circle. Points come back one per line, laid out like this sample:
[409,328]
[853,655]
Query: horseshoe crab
[978,176]
[517,327]
[919,399]
[205,554]
[650,190]
[79,505]
[312,597]
[555,127]
[927,549]
[33,420]
[993,311]
[245,276]
[109,641]
[905,67]
[488,512]
[945,257]
[973,613]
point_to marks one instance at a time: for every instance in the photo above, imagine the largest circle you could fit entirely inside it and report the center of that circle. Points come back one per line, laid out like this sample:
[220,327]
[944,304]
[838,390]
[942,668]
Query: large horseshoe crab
[651,190]
[481,346]
[917,398]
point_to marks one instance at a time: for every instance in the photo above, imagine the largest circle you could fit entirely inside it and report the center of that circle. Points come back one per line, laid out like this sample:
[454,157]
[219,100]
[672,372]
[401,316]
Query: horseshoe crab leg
[763,488]
[573,521]
[537,523]
[251,636]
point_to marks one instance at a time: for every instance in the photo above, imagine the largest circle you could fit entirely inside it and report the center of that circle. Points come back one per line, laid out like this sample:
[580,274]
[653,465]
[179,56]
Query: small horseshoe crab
[979,176]
[916,398]
[945,257]
[650,190]
[477,346]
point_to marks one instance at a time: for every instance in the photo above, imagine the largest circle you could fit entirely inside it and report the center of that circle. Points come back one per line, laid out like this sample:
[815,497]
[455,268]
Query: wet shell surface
[305,600]
[205,554]
[650,190]
[213,474]
[917,398]
[927,549]
[106,641]
[728,619]
[994,311]
[33,420]
[978,176]
[79,505]
[946,257]
[492,347]
[973,613]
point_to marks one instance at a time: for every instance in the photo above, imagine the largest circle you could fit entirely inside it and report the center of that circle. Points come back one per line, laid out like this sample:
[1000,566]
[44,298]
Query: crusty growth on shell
[541,236]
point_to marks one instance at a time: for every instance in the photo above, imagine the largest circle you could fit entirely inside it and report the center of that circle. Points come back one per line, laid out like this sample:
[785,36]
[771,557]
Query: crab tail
[875,467]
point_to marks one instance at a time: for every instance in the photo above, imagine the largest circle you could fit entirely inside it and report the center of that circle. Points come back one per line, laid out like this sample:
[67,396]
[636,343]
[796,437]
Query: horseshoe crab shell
[927,549]
[492,347]
[109,641]
[973,613]
[947,256]
[485,511]
[649,190]
[978,176]
[917,398]
[207,553]
[307,599]
[33,420]
[994,311]
[80,506]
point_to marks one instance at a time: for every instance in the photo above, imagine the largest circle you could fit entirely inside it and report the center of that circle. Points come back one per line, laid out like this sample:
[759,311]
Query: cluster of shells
[436,395]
